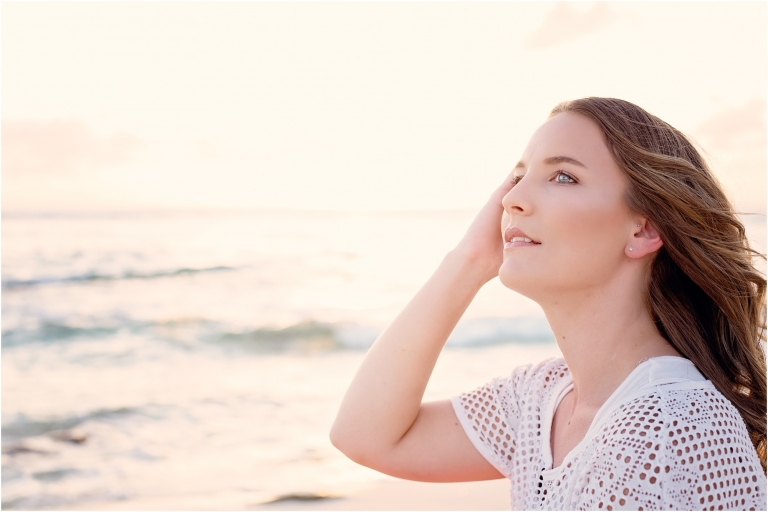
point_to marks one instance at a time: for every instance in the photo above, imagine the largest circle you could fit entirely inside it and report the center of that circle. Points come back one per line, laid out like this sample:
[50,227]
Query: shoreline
[385,494]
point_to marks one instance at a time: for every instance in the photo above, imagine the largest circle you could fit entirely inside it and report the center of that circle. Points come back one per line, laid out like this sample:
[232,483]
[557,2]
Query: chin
[519,280]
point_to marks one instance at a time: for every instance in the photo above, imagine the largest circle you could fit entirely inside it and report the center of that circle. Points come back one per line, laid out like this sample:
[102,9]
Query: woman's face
[569,200]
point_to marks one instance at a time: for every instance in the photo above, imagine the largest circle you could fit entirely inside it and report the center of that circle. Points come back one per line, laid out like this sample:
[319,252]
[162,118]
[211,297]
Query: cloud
[736,127]
[564,23]
[61,146]
[733,141]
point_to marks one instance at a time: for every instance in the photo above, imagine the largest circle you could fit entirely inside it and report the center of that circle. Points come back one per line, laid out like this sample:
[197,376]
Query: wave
[94,276]
[306,336]
[22,426]
[183,332]
[309,335]
[54,331]
[486,331]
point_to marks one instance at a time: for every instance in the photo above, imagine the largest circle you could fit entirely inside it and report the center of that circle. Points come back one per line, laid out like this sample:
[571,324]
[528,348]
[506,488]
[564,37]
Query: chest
[569,426]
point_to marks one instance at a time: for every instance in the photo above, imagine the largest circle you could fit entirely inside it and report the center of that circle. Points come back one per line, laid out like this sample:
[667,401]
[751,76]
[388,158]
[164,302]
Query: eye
[516,180]
[563,177]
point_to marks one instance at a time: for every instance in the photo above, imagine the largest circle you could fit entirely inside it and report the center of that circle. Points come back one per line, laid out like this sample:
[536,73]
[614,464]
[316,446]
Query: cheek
[591,235]
[599,217]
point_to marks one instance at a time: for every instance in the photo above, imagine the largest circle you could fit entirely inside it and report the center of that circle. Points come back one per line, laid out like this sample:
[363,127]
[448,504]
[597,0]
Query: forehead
[572,135]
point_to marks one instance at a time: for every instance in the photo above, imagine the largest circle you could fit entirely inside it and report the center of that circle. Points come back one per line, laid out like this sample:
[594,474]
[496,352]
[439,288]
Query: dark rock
[302,496]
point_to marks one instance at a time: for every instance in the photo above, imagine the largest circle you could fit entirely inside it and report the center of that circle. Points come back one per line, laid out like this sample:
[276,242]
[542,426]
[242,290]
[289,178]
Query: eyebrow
[554,160]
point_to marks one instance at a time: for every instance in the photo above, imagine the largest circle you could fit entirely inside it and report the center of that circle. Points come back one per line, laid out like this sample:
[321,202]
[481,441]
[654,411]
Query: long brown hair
[706,296]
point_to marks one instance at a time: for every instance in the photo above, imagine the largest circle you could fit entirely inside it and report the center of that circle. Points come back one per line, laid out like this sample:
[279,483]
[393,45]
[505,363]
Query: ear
[644,240]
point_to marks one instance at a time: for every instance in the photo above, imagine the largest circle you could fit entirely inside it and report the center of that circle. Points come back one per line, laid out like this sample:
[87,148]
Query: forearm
[384,398]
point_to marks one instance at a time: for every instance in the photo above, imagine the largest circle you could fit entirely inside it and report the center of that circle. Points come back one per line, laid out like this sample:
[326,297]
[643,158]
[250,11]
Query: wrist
[471,267]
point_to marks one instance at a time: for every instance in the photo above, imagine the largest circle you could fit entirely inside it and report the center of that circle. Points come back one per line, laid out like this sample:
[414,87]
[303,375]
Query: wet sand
[386,494]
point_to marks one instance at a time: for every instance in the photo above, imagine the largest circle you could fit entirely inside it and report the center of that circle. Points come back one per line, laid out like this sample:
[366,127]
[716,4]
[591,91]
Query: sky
[352,106]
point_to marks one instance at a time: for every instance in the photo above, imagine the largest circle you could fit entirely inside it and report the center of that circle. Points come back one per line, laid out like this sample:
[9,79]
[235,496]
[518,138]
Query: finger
[508,182]
[505,186]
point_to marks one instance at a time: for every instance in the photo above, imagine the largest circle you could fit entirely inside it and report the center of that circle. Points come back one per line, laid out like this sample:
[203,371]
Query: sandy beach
[385,494]
[395,494]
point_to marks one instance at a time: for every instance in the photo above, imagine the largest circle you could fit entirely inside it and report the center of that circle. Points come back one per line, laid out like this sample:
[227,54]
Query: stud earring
[630,248]
[638,225]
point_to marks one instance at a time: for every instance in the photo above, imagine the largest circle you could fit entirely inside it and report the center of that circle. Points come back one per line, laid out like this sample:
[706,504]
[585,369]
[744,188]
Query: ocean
[168,355]
[164,354]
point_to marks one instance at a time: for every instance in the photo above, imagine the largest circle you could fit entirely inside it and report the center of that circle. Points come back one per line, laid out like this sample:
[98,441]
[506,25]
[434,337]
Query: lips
[517,236]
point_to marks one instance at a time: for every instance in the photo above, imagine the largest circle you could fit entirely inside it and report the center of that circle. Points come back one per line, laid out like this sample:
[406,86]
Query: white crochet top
[665,439]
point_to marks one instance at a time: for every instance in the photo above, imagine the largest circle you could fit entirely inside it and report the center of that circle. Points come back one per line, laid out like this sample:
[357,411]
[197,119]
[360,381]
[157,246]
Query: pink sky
[351,105]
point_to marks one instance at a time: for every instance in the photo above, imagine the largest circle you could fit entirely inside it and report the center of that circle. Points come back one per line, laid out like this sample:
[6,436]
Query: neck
[603,334]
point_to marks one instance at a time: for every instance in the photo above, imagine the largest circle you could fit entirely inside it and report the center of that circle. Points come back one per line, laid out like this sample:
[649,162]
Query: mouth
[515,237]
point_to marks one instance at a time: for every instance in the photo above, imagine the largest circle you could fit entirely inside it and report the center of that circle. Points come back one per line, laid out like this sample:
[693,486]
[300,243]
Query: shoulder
[708,452]
[681,446]
[530,380]
[493,414]
[539,377]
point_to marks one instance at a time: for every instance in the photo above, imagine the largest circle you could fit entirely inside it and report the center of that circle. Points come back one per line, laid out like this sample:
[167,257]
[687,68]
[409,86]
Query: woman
[614,224]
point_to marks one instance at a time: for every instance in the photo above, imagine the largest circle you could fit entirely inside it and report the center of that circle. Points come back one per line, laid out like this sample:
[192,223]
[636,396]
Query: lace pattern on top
[679,445]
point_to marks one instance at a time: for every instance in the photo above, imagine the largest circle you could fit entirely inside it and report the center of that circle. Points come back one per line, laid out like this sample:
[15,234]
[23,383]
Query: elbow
[355,449]
[362,453]
[337,438]
[379,459]
[342,441]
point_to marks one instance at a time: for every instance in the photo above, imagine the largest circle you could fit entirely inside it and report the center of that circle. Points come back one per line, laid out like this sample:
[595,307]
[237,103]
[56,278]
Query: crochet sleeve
[490,415]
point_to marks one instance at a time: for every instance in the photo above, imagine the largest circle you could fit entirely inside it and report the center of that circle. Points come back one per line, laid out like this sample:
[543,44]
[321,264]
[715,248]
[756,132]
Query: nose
[517,200]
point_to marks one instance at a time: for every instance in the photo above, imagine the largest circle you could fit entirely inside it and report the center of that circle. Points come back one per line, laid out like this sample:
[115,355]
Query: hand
[483,243]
